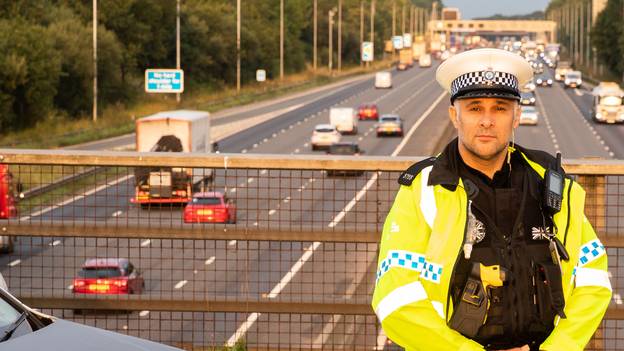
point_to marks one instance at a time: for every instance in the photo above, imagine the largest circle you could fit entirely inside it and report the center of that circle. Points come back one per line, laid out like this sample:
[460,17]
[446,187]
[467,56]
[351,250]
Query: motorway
[295,200]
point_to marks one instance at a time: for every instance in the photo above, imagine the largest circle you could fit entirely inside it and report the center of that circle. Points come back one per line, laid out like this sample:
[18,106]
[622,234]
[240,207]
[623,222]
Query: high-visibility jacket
[420,246]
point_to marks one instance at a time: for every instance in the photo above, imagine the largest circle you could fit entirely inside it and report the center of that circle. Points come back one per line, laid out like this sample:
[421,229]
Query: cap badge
[489,77]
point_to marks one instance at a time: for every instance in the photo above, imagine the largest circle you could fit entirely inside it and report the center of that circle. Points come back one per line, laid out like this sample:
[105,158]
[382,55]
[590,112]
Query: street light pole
[95,75]
[339,35]
[281,39]
[361,29]
[372,26]
[330,24]
[178,42]
[314,58]
[238,34]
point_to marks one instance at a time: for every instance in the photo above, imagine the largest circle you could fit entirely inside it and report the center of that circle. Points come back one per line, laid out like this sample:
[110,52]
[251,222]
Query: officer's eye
[475,109]
[501,108]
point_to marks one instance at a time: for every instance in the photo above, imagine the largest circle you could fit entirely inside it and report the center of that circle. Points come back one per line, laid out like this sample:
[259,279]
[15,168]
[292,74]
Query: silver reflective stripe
[400,297]
[427,198]
[592,277]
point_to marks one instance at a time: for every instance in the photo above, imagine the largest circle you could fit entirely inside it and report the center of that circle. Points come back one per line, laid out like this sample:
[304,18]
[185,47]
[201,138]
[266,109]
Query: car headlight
[579,82]
[550,81]
[539,81]
[598,115]
[567,81]
[532,99]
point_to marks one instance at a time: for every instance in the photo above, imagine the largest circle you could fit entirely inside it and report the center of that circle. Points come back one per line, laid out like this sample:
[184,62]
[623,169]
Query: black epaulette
[408,176]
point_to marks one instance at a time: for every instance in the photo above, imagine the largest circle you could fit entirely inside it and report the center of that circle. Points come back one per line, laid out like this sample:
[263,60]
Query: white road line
[233,190]
[15,263]
[180,284]
[249,180]
[547,120]
[578,92]
[144,313]
[263,172]
[117,213]
[145,242]
[76,198]
[210,261]
[272,212]
[244,151]
[55,243]
[287,199]
[617,298]
[251,319]
[232,242]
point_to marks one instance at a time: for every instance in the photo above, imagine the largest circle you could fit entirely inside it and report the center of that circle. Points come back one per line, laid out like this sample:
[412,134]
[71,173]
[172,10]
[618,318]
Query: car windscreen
[342,149]
[324,130]
[99,272]
[528,110]
[611,101]
[206,201]
[573,76]
[389,120]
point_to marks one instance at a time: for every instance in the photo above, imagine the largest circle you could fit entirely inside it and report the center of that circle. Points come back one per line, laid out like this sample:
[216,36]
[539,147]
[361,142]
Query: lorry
[172,131]
[344,119]
[406,59]
[8,203]
[607,106]
[562,68]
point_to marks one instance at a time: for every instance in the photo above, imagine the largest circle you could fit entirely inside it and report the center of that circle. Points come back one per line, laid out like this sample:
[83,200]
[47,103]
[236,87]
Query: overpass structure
[536,30]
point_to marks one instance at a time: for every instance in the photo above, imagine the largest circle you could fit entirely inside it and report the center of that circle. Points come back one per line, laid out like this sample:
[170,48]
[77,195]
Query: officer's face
[485,125]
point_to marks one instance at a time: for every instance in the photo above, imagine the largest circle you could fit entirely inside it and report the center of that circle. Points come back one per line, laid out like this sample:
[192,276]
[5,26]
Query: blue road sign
[164,80]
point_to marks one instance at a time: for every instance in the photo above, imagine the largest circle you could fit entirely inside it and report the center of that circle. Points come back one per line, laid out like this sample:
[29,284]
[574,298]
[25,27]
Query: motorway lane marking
[287,199]
[578,92]
[210,260]
[233,190]
[14,263]
[617,298]
[249,180]
[232,243]
[244,151]
[55,243]
[251,319]
[180,284]
[144,313]
[75,198]
[263,172]
[272,212]
[117,213]
[146,242]
[547,120]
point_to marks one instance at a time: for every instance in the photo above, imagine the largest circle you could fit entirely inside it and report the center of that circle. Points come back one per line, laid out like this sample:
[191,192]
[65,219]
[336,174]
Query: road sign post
[164,80]
[367,51]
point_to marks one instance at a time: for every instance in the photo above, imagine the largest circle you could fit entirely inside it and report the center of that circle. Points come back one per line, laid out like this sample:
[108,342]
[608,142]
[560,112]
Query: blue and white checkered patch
[432,272]
[470,79]
[590,252]
[412,261]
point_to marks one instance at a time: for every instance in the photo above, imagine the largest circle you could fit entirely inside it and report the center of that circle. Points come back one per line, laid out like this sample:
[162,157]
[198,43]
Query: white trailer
[172,131]
[344,119]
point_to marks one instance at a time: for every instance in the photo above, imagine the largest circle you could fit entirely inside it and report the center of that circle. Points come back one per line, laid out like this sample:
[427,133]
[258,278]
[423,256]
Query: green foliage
[607,37]
[47,53]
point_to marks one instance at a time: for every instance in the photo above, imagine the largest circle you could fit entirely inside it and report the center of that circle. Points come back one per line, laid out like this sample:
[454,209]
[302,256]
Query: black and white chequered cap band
[484,79]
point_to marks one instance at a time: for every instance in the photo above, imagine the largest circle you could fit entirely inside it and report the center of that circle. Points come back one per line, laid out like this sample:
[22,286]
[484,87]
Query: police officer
[486,245]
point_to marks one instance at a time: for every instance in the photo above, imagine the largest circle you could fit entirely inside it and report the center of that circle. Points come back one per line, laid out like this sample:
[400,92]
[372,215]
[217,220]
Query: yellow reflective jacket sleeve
[408,317]
[589,299]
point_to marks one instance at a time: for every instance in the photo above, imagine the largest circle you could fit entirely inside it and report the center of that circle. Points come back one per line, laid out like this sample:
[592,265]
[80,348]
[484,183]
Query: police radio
[553,187]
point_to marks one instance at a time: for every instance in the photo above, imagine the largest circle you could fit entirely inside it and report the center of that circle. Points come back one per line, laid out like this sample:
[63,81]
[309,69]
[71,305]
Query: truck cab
[607,106]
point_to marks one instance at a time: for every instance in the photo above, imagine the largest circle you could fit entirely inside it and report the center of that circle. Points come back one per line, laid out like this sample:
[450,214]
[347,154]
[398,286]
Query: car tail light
[78,283]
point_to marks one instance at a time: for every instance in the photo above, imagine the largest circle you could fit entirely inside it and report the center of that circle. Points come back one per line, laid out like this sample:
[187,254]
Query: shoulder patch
[408,176]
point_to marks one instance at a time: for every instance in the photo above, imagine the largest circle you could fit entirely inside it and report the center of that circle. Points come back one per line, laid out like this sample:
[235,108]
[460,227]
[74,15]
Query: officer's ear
[454,114]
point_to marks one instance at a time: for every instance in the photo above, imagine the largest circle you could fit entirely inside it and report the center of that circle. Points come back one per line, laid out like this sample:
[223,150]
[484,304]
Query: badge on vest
[475,232]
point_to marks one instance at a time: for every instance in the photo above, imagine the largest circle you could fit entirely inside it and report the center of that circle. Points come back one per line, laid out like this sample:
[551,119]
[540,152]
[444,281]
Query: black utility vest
[510,208]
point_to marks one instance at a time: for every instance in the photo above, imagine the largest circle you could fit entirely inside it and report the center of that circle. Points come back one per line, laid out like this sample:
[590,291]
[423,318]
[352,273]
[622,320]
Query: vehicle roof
[529,109]
[573,73]
[209,194]
[527,93]
[104,262]
[389,116]
[180,115]
[324,126]
[345,143]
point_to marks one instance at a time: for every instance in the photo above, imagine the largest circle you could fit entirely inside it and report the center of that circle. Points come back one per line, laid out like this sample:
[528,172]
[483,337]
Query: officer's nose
[487,120]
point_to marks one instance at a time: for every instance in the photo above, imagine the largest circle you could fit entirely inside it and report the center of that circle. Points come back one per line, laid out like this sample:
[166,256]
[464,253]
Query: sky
[484,8]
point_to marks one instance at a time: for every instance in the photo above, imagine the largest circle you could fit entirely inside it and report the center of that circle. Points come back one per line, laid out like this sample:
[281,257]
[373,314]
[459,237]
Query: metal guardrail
[301,257]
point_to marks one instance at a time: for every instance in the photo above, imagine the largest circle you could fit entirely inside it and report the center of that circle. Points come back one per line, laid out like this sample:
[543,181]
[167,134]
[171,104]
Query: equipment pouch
[549,291]
[471,310]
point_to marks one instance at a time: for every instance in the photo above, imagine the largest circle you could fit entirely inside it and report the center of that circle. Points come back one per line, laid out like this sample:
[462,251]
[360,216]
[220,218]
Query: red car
[108,276]
[368,112]
[210,207]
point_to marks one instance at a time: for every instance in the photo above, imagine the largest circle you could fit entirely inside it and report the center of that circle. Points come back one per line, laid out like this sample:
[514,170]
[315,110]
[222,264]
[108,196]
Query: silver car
[24,329]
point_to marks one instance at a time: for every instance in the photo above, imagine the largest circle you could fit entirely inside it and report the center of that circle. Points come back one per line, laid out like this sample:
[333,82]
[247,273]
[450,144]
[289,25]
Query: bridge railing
[295,268]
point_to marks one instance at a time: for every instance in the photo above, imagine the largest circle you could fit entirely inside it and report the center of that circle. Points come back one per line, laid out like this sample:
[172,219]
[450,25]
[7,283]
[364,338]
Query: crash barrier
[292,266]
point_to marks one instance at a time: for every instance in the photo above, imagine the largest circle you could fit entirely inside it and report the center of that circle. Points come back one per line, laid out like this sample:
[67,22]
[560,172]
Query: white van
[424,60]
[383,80]
[344,119]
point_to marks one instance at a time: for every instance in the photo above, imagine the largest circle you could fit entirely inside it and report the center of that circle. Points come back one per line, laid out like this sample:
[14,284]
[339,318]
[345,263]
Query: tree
[29,73]
[606,36]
